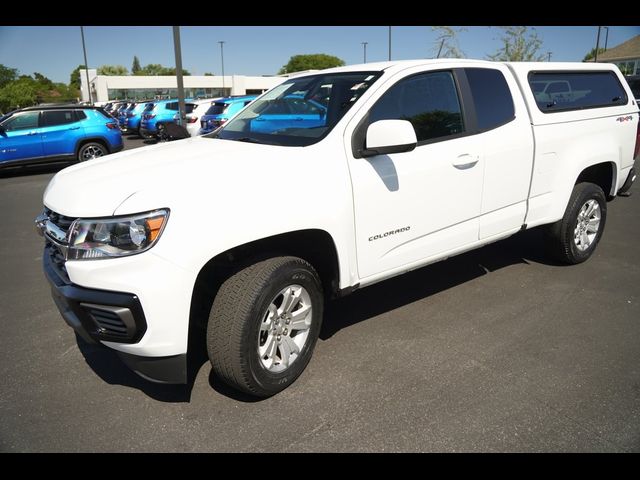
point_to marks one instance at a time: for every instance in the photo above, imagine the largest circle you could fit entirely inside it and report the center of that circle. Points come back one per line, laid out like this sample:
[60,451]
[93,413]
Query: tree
[314,61]
[74,78]
[154,69]
[19,93]
[592,54]
[113,70]
[519,45]
[7,75]
[43,81]
[446,43]
[135,68]
[208,74]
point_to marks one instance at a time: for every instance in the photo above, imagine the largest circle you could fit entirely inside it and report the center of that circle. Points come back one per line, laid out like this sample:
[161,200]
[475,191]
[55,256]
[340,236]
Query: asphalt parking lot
[498,349]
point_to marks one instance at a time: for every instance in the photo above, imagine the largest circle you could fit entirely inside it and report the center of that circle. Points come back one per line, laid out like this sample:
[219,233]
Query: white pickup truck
[327,183]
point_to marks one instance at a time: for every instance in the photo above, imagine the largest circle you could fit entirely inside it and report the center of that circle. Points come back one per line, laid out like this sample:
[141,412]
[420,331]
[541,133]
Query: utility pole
[597,46]
[364,45]
[606,39]
[86,65]
[548,56]
[440,49]
[389,43]
[178,51]
[221,42]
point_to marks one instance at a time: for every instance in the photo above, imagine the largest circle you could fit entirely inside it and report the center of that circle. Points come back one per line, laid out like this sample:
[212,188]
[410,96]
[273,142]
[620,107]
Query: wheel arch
[603,174]
[101,140]
[316,246]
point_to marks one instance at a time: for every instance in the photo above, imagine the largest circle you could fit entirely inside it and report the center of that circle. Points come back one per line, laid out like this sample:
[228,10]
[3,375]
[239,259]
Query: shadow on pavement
[26,170]
[106,364]
[413,286]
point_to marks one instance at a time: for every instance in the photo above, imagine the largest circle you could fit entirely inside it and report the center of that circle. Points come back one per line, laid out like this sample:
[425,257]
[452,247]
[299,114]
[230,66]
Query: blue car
[54,133]
[292,111]
[157,112]
[131,118]
[222,110]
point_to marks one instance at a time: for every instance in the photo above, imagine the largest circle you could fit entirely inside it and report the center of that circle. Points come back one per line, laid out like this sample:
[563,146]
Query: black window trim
[572,109]
[467,111]
[467,92]
[74,112]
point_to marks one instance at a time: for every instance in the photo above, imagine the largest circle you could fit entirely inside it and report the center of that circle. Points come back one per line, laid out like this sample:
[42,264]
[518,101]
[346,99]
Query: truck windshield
[299,112]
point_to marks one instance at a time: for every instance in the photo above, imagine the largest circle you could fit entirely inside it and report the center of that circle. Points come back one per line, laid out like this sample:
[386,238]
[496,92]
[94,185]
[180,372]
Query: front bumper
[96,315]
[108,316]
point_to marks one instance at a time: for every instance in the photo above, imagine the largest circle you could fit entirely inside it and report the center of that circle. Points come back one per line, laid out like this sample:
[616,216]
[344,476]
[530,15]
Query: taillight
[637,149]
[131,114]
[112,126]
[192,120]
[149,116]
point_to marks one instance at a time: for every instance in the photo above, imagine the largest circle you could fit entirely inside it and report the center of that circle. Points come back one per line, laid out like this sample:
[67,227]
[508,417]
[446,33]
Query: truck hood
[98,187]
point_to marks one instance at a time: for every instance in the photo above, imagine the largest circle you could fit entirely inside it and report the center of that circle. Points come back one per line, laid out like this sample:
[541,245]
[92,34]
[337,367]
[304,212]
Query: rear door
[20,138]
[60,131]
[503,126]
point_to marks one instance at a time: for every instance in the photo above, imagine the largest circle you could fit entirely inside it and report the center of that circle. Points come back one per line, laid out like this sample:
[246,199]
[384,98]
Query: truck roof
[396,65]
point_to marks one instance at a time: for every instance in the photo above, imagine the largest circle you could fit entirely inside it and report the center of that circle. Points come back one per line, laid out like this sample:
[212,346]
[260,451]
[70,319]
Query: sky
[56,51]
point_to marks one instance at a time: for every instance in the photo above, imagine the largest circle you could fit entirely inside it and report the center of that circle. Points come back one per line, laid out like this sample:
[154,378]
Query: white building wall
[101,84]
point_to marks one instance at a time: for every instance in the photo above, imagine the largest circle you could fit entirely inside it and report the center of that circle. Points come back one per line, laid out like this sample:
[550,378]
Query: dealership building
[626,56]
[105,87]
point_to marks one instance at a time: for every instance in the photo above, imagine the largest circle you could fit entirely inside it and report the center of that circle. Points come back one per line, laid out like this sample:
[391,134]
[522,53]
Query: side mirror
[389,136]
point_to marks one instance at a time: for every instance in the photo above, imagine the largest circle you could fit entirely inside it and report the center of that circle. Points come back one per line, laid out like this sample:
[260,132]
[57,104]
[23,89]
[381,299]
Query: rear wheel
[91,150]
[574,238]
[264,324]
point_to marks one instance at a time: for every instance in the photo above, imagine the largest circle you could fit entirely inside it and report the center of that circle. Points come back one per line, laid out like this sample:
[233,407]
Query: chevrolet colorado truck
[329,182]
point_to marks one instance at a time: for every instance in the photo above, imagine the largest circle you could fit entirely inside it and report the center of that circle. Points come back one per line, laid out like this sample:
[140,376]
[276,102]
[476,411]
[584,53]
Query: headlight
[115,236]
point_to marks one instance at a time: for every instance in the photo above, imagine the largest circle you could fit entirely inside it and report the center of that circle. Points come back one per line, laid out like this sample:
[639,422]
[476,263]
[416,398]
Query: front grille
[109,323]
[59,220]
[51,249]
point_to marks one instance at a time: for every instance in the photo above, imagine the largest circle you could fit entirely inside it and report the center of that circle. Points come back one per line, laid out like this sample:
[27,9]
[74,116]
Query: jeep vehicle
[242,234]
[44,133]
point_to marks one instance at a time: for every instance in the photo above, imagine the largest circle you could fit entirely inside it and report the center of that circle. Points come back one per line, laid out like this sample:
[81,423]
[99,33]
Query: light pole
[222,42]
[364,46]
[86,65]
[548,56]
[178,53]
[606,39]
[597,45]
[389,43]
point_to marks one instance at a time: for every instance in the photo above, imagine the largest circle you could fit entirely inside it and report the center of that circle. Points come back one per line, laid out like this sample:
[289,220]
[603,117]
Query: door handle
[73,128]
[32,133]
[465,161]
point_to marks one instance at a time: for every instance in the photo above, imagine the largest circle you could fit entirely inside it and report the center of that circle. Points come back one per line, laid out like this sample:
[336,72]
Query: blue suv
[130,118]
[222,110]
[155,113]
[53,133]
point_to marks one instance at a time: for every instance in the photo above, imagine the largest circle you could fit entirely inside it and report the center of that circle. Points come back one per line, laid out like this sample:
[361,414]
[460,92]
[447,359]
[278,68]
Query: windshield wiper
[247,139]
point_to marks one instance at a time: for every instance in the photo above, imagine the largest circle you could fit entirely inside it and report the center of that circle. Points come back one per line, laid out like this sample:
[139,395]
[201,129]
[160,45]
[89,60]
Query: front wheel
[264,324]
[575,236]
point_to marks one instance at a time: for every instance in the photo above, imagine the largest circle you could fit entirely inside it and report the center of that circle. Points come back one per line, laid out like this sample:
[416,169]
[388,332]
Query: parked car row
[82,132]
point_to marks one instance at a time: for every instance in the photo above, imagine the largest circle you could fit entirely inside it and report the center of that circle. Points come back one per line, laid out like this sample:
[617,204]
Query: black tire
[162,133]
[91,150]
[145,136]
[562,245]
[237,314]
